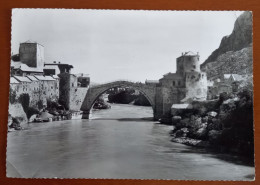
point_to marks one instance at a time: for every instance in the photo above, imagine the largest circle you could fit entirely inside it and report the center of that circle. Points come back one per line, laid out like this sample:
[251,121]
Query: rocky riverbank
[225,124]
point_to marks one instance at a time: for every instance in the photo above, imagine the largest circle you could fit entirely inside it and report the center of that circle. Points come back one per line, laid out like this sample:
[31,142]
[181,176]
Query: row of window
[178,83]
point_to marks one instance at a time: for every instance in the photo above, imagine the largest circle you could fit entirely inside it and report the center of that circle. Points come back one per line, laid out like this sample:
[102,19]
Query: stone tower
[32,54]
[188,62]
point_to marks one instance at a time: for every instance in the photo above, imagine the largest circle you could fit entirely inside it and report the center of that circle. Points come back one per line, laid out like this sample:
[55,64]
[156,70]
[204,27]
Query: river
[119,143]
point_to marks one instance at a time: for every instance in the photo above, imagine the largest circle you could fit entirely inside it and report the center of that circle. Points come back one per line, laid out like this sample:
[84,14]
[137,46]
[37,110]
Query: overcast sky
[119,44]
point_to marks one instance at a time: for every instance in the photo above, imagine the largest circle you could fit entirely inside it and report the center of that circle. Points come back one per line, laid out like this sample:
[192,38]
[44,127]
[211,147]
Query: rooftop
[13,80]
[32,78]
[189,53]
[236,77]
[58,64]
[24,67]
[44,78]
[22,79]
[31,42]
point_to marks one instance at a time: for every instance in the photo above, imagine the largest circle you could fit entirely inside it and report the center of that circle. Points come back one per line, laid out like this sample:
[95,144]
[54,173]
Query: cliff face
[234,44]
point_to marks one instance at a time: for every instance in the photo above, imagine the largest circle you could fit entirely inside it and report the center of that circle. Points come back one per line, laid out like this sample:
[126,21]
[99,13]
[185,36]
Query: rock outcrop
[241,37]
[226,125]
[18,116]
[234,54]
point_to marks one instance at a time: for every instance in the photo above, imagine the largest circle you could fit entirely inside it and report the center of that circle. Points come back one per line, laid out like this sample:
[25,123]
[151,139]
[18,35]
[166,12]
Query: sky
[121,44]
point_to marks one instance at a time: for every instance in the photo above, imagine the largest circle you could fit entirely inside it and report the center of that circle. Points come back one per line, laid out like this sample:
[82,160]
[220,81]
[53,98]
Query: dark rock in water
[165,120]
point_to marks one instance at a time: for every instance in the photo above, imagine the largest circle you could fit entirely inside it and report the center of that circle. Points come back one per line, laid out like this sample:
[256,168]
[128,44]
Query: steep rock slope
[235,49]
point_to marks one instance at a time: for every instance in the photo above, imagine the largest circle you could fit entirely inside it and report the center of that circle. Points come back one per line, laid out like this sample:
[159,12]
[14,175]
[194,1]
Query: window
[194,66]
[179,83]
[72,84]
[173,83]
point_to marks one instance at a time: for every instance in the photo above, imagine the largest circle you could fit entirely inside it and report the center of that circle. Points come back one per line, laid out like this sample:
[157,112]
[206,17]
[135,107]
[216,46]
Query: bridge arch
[95,91]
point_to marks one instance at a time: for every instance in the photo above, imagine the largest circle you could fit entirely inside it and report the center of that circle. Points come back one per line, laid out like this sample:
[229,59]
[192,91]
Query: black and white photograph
[131,94]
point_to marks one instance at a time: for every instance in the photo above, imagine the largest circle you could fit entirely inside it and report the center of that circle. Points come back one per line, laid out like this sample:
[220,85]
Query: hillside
[234,54]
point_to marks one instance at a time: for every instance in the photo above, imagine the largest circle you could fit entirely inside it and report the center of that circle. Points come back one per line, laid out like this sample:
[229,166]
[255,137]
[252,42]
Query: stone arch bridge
[95,91]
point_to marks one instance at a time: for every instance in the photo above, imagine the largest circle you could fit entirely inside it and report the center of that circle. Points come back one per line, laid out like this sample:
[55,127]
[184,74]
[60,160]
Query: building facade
[186,85]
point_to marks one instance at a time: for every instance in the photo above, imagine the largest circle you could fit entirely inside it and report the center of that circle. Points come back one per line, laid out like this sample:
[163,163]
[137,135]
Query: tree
[24,99]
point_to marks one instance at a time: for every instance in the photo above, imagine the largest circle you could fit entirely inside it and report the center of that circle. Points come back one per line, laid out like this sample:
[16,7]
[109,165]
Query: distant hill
[234,54]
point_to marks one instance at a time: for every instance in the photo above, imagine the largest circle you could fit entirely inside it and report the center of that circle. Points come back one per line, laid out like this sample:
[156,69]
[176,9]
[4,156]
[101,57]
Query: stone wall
[64,89]
[38,91]
[77,96]
[165,97]
[196,86]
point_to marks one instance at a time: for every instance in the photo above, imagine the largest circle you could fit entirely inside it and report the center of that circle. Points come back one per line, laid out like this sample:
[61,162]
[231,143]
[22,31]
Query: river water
[119,143]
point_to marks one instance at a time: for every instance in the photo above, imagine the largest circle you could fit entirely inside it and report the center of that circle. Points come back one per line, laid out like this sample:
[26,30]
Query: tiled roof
[236,77]
[13,80]
[22,79]
[44,78]
[32,78]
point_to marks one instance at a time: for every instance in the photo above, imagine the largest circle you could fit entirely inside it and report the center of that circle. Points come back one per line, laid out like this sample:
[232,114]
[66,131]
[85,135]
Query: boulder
[17,113]
[202,132]
[198,133]
[181,133]
[212,114]
[32,118]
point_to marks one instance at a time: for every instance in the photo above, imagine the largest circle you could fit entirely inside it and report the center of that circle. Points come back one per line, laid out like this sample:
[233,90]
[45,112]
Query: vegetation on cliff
[225,124]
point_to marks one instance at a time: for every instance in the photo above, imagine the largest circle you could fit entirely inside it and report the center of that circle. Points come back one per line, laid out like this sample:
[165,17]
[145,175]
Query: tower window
[179,83]
[173,83]
[194,67]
